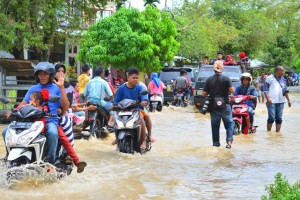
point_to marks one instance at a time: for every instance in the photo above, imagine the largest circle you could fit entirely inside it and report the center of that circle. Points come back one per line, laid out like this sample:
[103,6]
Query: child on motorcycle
[246,88]
[36,100]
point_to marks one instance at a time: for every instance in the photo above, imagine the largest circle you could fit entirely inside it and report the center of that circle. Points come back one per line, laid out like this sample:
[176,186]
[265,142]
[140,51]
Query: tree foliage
[34,23]
[131,38]
[268,30]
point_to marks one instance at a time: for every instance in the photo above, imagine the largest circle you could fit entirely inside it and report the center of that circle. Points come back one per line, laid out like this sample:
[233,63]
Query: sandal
[80,166]
[228,146]
[253,129]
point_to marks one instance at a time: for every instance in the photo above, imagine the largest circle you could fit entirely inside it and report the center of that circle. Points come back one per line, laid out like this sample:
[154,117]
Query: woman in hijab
[60,68]
[156,86]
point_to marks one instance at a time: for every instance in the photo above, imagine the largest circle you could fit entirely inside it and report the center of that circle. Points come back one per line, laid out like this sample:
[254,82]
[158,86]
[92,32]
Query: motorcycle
[180,98]
[25,145]
[240,115]
[128,126]
[156,102]
[97,123]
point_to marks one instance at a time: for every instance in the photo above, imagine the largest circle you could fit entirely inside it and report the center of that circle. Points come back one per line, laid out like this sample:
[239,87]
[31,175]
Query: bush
[282,190]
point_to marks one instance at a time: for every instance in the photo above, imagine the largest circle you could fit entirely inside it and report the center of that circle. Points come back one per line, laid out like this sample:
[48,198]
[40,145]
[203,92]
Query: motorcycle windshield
[27,111]
[127,104]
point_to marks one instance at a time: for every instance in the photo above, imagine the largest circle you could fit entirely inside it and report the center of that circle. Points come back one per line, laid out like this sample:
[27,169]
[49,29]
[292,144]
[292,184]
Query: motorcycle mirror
[54,98]
[145,92]
[4,100]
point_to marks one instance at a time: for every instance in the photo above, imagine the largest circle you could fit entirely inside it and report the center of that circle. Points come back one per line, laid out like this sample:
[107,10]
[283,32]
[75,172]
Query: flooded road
[182,163]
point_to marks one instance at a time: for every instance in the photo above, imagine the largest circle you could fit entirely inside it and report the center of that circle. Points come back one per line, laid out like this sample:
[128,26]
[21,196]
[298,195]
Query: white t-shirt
[274,89]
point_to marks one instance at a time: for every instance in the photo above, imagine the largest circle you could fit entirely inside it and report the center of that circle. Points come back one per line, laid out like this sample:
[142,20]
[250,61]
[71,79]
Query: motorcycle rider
[44,73]
[131,90]
[246,88]
[96,90]
[181,83]
[156,86]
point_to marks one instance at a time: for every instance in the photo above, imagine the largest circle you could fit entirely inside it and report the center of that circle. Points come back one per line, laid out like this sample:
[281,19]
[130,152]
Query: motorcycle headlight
[9,138]
[130,123]
[237,100]
[29,134]
[119,123]
[243,110]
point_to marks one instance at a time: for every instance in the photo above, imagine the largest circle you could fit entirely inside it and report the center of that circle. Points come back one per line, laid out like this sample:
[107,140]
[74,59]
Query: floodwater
[182,163]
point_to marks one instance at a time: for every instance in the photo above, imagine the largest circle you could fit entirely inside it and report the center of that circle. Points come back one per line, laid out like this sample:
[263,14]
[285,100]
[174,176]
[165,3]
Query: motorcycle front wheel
[96,132]
[236,128]
[126,145]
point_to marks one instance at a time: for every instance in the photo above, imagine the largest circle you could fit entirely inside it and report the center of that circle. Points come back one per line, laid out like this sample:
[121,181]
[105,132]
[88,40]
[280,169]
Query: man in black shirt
[217,87]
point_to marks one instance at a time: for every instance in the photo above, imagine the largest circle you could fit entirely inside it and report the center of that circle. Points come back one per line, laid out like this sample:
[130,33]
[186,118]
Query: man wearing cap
[217,87]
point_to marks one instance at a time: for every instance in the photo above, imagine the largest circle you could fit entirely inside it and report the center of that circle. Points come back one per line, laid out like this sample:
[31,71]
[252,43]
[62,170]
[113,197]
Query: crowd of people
[271,87]
[75,95]
[244,61]
[74,98]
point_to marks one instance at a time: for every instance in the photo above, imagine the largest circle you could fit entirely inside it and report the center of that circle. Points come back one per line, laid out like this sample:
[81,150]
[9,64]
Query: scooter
[180,98]
[240,115]
[128,126]
[97,123]
[156,102]
[25,145]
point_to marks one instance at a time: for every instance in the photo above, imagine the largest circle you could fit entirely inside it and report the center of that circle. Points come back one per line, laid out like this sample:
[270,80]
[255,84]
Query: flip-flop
[228,146]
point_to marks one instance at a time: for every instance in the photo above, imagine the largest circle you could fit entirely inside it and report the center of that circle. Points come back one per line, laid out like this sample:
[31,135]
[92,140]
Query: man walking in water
[217,87]
[275,90]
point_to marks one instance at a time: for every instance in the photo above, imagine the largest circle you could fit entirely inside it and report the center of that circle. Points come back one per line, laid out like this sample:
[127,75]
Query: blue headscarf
[155,79]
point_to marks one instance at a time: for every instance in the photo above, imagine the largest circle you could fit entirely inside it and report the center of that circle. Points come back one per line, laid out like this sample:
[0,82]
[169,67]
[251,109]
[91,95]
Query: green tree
[286,48]
[33,24]
[131,38]
[200,33]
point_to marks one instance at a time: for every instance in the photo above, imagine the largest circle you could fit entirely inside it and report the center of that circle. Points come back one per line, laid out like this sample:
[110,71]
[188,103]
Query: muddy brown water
[182,163]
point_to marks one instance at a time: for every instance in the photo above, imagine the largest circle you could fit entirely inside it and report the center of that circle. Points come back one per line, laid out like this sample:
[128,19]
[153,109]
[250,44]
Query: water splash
[32,175]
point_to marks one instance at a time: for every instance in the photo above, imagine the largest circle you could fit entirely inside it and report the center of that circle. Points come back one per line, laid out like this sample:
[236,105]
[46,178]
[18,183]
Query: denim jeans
[52,140]
[275,111]
[251,116]
[79,113]
[226,115]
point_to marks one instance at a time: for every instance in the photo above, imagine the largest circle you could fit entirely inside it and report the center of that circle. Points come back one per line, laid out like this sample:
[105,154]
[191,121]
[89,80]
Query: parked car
[168,75]
[205,71]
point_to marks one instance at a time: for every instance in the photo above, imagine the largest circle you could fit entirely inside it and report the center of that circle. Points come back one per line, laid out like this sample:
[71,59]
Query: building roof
[13,67]
[5,54]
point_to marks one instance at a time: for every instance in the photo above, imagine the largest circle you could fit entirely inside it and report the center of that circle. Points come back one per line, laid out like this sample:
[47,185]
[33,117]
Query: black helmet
[46,67]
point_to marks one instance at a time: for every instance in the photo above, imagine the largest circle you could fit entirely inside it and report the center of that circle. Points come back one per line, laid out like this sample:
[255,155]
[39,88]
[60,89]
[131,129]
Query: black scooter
[96,123]
[128,126]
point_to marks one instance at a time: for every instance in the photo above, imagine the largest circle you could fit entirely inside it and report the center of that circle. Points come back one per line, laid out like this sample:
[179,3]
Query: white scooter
[156,102]
[25,145]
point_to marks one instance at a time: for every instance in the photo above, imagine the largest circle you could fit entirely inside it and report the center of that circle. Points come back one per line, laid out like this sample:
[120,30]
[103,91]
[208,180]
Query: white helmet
[246,75]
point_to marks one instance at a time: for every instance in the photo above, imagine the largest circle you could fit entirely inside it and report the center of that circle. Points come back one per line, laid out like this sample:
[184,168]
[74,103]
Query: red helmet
[242,55]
